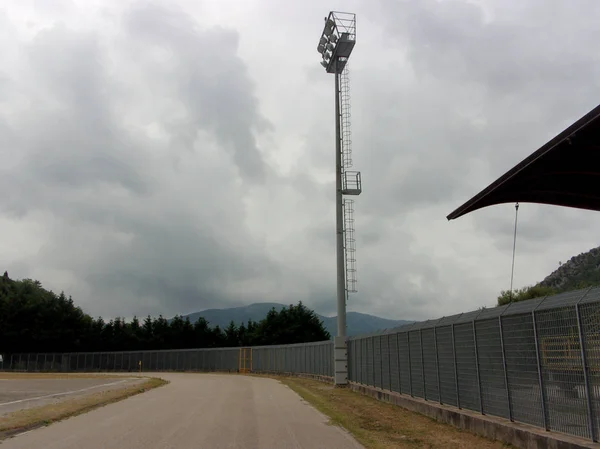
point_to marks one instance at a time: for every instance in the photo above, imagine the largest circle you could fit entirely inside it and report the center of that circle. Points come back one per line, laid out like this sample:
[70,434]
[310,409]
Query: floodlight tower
[335,45]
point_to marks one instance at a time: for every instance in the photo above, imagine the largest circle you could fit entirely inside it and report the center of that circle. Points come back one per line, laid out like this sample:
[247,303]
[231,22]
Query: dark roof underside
[564,172]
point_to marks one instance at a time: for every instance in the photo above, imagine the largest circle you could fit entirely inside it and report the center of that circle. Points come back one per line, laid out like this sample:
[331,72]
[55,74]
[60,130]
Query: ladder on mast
[351,182]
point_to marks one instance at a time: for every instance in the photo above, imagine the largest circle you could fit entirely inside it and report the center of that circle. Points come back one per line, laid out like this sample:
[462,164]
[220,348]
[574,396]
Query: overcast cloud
[171,156]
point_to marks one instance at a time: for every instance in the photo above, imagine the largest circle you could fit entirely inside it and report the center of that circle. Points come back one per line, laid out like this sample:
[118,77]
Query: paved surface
[28,392]
[197,411]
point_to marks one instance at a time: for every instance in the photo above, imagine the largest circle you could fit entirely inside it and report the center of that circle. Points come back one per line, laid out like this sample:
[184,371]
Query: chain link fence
[535,362]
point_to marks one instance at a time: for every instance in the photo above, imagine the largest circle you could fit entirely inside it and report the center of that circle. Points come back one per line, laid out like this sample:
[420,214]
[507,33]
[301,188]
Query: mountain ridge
[357,323]
[579,271]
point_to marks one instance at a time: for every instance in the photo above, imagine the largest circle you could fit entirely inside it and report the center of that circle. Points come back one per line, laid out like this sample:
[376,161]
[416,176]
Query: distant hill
[579,272]
[358,323]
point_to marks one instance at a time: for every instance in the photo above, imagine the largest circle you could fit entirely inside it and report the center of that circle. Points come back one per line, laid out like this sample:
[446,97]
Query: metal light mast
[335,45]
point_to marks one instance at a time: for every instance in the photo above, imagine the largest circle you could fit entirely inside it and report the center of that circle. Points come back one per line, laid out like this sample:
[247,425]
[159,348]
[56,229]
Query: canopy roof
[564,172]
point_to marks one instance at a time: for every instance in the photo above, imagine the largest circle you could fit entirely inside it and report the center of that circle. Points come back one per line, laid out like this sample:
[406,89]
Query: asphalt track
[28,392]
[197,411]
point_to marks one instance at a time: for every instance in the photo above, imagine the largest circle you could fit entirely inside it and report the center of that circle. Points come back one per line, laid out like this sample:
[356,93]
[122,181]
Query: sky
[164,157]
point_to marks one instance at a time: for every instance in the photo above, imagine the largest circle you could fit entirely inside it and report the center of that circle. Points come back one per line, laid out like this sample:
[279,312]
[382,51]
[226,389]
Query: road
[28,392]
[197,411]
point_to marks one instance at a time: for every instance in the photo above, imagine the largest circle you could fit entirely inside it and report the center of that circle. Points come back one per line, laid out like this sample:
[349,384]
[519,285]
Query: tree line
[33,319]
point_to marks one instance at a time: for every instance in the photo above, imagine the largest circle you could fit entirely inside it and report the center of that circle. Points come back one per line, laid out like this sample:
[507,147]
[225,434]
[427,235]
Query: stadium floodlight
[335,44]
[338,38]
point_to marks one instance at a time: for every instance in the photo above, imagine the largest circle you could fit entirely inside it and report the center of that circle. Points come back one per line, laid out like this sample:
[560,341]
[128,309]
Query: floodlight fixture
[338,37]
[321,48]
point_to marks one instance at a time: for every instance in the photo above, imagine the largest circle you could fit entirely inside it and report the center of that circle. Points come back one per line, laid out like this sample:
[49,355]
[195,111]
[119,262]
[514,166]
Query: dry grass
[39,416]
[378,425]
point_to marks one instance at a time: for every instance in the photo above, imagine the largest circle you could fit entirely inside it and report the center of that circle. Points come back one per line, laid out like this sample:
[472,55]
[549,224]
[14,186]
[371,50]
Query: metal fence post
[539,367]
[389,361]
[364,375]
[304,370]
[477,366]
[398,362]
[354,352]
[455,369]
[359,378]
[409,364]
[437,364]
[422,364]
[373,359]
[585,374]
[380,362]
[508,400]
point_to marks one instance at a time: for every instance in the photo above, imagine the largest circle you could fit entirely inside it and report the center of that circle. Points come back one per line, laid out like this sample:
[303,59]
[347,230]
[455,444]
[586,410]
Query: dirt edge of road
[378,425]
[29,419]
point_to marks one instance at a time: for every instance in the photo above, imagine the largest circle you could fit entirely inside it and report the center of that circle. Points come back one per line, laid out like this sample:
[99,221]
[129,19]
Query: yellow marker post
[140,363]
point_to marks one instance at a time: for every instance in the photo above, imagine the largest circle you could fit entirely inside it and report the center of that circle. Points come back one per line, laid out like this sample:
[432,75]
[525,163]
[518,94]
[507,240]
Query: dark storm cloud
[225,103]
[140,175]
[452,39]
[74,140]
[138,240]
[521,75]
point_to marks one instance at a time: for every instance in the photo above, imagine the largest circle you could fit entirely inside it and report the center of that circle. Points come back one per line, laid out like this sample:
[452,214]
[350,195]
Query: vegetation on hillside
[522,294]
[580,271]
[33,319]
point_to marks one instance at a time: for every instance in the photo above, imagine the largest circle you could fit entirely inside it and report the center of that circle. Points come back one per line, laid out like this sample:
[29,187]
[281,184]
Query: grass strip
[379,425]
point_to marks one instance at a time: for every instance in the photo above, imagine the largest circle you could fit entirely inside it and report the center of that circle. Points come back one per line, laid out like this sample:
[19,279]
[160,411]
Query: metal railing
[535,362]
